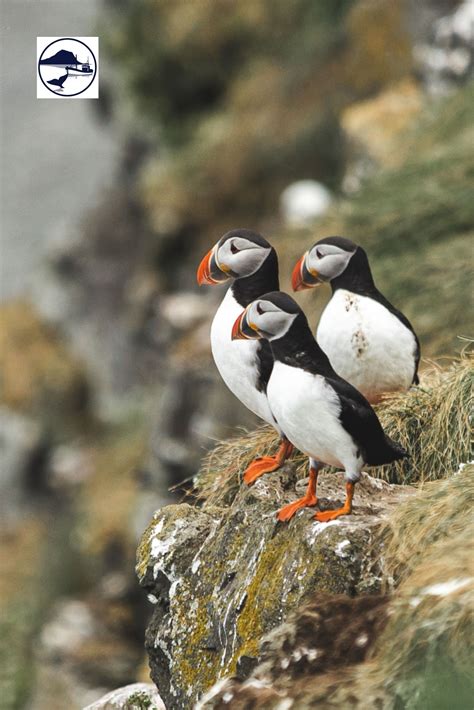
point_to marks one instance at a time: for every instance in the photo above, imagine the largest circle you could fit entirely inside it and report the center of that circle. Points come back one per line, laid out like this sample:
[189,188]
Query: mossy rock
[409,648]
[137,696]
[221,578]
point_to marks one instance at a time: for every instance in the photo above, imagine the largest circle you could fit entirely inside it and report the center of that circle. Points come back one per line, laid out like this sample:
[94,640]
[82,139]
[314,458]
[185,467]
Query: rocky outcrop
[223,577]
[408,649]
[312,660]
[137,696]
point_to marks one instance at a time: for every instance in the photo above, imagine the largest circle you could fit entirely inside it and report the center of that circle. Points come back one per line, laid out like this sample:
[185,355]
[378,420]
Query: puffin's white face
[262,319]
[321,263]
[240,256]
[233,257]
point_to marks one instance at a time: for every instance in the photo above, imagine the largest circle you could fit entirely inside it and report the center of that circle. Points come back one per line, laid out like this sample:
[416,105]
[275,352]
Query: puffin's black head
[270,317]
[239,253]
[326,260]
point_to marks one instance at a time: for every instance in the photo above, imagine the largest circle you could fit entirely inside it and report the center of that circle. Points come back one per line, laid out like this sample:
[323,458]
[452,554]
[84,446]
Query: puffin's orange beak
[302,278]
[297,282]
[204,270]
[243,330]
[236,328]
[209,272]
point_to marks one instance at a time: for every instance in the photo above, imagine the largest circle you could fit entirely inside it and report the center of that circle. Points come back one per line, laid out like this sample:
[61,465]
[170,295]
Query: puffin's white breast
[307,409]
[237,361]
[366,344]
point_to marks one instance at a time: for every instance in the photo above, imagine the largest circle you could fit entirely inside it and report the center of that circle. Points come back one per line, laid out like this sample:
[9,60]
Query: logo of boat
[67,67]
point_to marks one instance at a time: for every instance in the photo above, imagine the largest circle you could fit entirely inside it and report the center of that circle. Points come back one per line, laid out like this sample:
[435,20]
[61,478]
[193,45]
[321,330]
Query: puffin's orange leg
[266,464]
[346,509]
[308,499]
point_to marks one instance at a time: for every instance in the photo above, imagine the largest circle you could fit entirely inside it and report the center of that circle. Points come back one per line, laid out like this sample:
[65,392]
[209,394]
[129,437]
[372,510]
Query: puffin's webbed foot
[264,464]
[309,499]
[267,464]
[326,515]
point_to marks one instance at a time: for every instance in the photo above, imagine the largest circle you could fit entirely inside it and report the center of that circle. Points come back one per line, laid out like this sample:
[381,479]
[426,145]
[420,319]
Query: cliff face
[373,610]
[222,577]
[408,650]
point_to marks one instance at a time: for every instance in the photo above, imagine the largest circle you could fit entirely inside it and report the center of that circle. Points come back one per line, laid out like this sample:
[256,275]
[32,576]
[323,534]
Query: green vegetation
[417,224]
[140,701]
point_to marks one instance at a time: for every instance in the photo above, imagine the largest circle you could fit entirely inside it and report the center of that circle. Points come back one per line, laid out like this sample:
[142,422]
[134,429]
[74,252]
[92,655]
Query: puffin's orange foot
[264,464]
[287,512]
[326,515]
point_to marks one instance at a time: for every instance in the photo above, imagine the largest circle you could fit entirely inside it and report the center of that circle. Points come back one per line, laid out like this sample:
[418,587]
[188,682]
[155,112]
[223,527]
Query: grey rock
[137,696]
[221,578]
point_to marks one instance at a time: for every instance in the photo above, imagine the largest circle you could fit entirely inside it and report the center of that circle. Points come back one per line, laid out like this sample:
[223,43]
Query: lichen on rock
[409,648]
[137,696]
[223,577]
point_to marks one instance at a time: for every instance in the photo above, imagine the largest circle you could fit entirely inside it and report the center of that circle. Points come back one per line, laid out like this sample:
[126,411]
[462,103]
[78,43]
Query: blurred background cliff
[299,119]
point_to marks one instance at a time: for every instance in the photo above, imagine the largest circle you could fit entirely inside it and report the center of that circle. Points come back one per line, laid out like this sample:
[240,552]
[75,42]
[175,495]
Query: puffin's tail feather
[390,451]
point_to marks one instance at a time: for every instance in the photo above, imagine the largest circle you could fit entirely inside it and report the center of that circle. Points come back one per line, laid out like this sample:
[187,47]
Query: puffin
[250,263]
[321,413]
[369,342]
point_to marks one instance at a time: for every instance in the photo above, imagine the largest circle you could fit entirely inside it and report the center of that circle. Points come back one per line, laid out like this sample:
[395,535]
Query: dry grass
[441,511]
[221,471]
[431,421]
[426,649]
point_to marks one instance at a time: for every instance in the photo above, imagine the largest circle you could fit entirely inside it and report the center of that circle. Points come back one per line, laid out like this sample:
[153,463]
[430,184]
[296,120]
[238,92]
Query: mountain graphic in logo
[61,57]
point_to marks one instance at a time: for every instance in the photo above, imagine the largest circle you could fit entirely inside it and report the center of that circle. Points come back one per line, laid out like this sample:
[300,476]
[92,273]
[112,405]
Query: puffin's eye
[260,310]
[233,248]
[319,253]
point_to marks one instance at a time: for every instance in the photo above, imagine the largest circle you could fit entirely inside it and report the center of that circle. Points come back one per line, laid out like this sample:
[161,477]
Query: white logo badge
[67,67]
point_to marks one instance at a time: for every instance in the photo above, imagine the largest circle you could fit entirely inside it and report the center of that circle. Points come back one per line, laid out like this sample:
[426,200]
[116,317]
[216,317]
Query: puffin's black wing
[361,422]
[264,365]
[380,298]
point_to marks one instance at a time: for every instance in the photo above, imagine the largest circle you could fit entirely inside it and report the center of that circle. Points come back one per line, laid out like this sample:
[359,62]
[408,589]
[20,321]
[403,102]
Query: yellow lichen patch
[144,549]
[195,665]
[36,367]
[265,585]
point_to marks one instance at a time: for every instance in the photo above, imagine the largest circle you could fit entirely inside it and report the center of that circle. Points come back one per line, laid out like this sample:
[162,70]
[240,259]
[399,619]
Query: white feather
[366,344]
[236,360]
[307,409]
